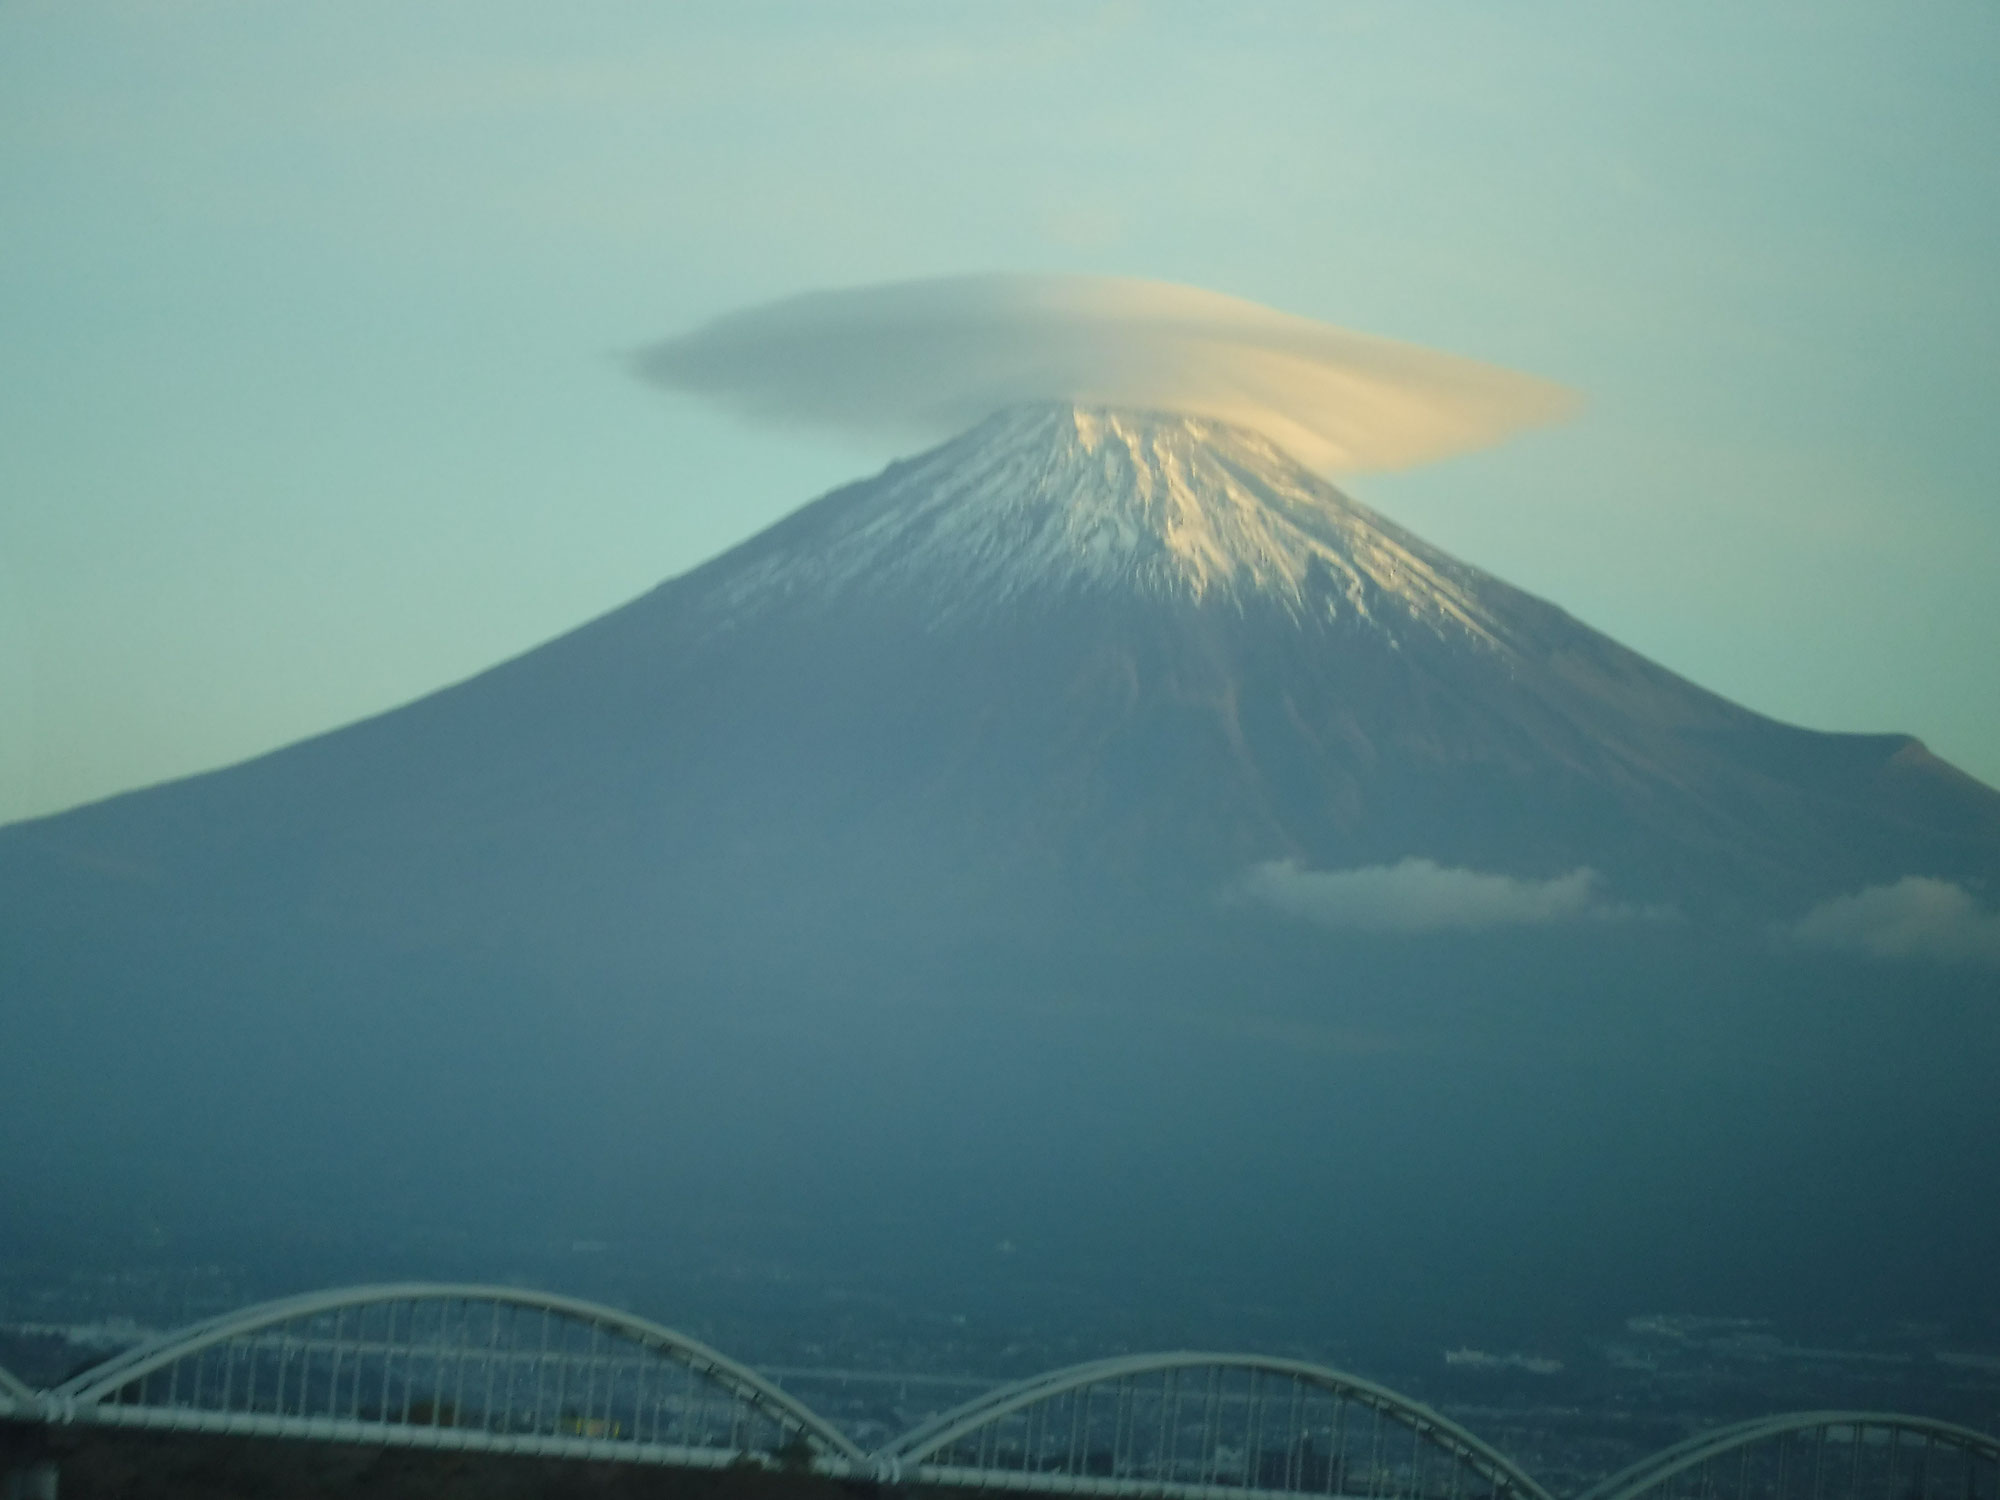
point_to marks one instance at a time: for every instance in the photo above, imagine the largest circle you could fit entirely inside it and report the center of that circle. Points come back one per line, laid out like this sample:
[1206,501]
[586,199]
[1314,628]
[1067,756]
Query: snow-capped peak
[1063,497]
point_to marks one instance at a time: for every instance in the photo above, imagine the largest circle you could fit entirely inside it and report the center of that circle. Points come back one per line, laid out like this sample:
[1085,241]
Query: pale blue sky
[310,395]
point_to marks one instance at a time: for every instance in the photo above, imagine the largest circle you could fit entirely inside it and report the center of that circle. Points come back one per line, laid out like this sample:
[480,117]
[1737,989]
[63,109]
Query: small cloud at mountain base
[1419,895]
[1915,917]
[929,358]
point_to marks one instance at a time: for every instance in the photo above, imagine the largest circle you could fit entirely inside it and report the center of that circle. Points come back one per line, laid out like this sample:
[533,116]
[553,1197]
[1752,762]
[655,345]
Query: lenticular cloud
[933,357]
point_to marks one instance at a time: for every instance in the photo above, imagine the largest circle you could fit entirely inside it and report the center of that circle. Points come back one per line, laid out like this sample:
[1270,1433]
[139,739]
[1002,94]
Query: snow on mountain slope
[1082,499]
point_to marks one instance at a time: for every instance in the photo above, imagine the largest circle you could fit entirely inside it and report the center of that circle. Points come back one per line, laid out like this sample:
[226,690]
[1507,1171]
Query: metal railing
[1189,1424]
[1817,1455]
[472,1367]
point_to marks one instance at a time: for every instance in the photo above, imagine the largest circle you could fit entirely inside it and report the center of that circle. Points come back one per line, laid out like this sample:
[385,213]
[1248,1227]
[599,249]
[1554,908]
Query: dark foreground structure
[97,1465]
[477,1390]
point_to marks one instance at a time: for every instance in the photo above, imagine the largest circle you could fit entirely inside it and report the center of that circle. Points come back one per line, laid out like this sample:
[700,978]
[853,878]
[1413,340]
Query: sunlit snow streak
[929,358]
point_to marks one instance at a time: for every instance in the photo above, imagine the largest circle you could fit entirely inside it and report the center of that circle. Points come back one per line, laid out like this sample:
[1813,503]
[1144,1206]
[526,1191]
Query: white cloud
[934,357]
[1418,895]
[1916,917]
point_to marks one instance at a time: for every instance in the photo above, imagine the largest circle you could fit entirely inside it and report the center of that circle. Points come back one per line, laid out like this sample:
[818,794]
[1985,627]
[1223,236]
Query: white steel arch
[1817,1455]
[1201,1424]
[424,1364]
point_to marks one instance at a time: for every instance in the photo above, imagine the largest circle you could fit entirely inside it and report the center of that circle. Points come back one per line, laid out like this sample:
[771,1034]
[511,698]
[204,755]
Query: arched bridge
[1817,1455]
[510,1371]
[479,1367]
[1187,1425]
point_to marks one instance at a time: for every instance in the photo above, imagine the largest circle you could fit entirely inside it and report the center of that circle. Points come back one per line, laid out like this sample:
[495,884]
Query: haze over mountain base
[1096,836]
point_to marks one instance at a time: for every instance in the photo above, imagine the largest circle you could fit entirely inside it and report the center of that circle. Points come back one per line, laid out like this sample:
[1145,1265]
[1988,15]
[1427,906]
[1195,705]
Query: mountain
[1031,756]
[1074,656]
